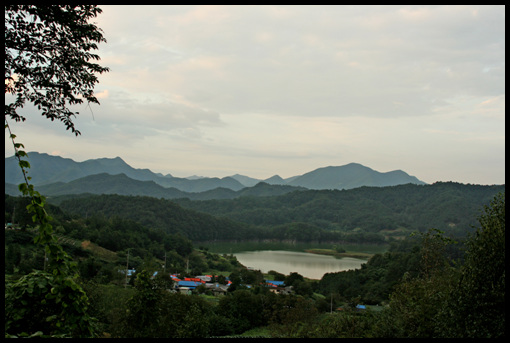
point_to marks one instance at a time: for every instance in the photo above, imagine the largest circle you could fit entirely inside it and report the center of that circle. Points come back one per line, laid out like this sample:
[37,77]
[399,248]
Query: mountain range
[55,175]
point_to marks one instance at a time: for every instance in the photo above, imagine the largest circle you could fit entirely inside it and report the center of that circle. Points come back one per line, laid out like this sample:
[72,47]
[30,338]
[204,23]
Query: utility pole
[331,308]
[127,268]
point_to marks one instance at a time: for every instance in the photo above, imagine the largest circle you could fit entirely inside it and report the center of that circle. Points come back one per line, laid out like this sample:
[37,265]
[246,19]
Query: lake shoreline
[309,260]
[331,252]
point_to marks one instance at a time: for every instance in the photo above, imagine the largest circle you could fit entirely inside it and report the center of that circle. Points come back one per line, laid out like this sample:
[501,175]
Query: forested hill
[121,184]
[359,214]
[159,213]
[448,206]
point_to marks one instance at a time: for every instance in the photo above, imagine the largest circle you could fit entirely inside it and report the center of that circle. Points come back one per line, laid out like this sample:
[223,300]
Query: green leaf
[22,187]
[50,318]
[24,164]
[36,334]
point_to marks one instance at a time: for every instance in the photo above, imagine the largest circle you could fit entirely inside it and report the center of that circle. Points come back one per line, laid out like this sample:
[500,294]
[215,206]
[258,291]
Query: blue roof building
[190,284]
[275,283]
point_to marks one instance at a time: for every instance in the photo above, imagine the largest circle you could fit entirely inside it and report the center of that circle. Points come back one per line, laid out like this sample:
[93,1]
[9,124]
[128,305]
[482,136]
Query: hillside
[121,184]
[159,214]
[361,214]
[451,207]
[47,169]
[350,176]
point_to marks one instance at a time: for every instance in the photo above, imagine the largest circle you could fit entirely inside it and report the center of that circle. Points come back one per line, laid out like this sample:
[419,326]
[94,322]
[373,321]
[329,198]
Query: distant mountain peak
[350,176]
[50,169]
[245,180]
[275,180]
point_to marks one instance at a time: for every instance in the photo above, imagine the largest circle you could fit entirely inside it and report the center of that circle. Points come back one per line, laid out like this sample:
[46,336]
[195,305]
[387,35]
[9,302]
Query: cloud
[102,95]
[340,61]
[292,88]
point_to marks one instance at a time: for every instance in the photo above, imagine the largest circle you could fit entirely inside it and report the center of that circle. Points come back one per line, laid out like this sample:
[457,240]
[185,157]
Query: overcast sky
[265,90]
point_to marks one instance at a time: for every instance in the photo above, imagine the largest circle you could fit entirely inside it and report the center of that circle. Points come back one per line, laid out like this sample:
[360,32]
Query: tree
[291,315]
[47,59]
[47,64]
[144,308]
[303,288]
[476,305]
[416,300]
[447,300]
[293,277]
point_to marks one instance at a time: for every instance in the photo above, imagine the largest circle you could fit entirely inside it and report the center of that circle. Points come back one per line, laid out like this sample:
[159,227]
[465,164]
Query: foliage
[414,306]
[447,206]
[290,315]
[47,64]
[415,302]
[67,313]
[428,287]
[346,324]
[276,275]
[159,214]
[44,302]
[446,300]
[154,312]
[47,59]
[476,305]
[108,303]
[322,216]
[245,310]
[375,280]
[143,308]
[104,245]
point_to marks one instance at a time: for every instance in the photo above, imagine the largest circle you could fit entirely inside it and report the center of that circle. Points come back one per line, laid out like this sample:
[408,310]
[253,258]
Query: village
[217,285]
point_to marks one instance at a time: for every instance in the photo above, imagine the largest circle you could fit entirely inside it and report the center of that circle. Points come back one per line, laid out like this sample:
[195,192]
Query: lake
[286,258]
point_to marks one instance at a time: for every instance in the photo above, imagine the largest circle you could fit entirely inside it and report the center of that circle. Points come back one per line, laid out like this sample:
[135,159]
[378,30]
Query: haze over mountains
[57,175]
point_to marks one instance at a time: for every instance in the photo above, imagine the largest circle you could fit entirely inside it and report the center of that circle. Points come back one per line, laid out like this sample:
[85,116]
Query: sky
[263,90]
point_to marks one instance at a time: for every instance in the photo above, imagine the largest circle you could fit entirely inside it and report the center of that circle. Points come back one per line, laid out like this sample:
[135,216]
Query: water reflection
[309,265]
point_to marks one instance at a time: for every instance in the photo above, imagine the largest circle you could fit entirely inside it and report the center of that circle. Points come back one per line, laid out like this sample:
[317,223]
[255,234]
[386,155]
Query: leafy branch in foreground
[48,64]
[48,59]
[49,301]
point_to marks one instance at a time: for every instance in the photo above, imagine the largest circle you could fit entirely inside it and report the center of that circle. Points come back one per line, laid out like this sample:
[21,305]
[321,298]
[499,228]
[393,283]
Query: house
[216,288]
[194,279]
[272,283]
[278,287]
[188,284]
[205,278]
[130,272]
[184,290]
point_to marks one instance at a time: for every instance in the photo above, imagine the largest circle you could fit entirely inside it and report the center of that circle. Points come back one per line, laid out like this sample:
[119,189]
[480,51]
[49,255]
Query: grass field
[100,252]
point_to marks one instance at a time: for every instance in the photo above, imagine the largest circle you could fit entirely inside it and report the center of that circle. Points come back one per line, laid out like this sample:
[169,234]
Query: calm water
[312,266]
[287,258]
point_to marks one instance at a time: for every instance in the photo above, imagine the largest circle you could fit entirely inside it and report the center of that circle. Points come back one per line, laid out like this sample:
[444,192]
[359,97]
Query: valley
[341,250]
